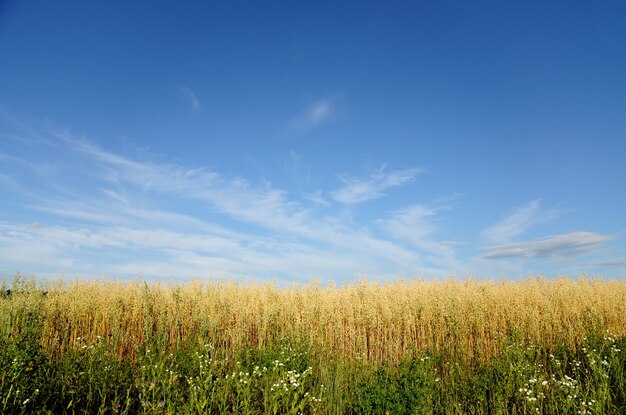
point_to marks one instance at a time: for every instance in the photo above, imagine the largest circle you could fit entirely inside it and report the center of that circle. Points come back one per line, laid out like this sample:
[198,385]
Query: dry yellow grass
[371,320]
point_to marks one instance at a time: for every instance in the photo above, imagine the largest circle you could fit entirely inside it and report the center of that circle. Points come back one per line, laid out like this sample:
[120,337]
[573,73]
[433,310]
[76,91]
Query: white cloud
[313,116]
[6,157]
[318,112]
[317,198]
[411,224]
[191,96]
[120,211]
[610,263]
[359,190]
[124,216]
[179,254]
[518,222]
[416,225]
[557,247]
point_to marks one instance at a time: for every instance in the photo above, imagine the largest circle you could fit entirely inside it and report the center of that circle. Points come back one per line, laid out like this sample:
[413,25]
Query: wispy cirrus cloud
[101,212]
[558,247]
[416,225]
[312,116]
[362,190]
[609,263]
[117,214]
[318,198]
[159,252]
[519,221]
[191,97]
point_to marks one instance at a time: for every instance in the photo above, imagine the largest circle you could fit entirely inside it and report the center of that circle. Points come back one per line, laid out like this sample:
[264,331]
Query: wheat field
[369,320]
[405,347]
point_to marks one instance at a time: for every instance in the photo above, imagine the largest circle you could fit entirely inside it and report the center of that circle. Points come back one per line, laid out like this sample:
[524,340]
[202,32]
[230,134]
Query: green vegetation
[288,374]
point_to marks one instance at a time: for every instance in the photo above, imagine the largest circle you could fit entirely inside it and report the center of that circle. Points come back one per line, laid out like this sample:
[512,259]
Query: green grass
[293,376]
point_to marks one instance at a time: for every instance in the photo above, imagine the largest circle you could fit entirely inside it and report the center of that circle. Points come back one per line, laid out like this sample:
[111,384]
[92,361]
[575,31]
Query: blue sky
[293,140]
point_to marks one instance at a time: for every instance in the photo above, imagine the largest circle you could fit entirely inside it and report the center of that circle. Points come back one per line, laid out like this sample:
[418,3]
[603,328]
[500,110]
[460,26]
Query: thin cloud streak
[193,254]
[518,222]
[609,263]
[317,198]
[558,247]
[358,190]
[312,117]
[193,99]
[415,225]
[418,225]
